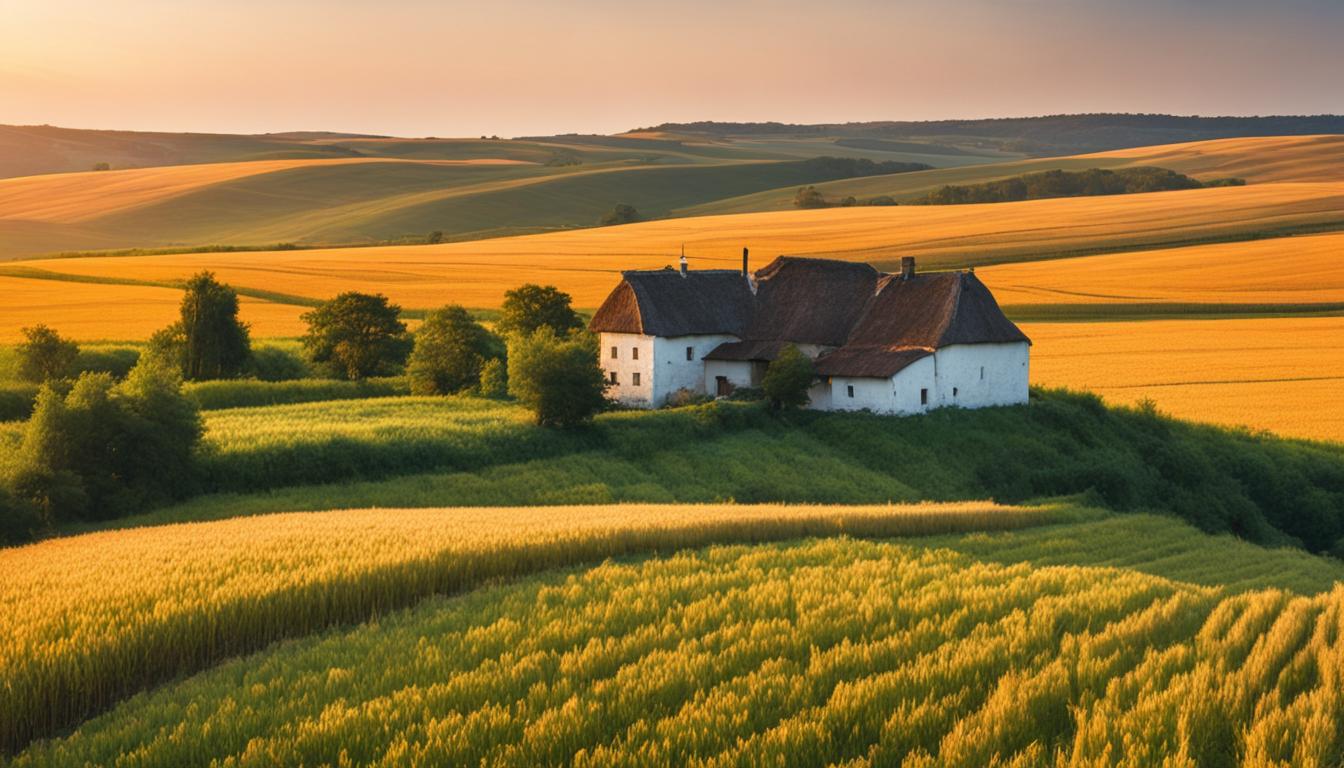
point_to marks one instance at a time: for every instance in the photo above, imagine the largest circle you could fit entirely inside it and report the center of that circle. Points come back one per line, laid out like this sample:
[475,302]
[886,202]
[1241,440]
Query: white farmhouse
[888,343]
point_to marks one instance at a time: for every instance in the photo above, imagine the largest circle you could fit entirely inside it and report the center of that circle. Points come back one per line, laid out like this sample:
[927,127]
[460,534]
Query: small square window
[954,391]
[634,379]
[612,378]
[613,353]
[690,353]
[849,390]
[923,396]
[634,355]
[982,373]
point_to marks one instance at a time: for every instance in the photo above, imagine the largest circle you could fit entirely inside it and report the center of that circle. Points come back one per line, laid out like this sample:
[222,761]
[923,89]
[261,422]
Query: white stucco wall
[738,373]
[672,371]
[1004,380]
[626,363]
[898,394]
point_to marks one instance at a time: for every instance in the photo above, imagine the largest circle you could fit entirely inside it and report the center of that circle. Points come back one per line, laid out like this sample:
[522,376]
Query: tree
[102,167]
[19,520]
[621,214]
[558,378]
[451,349]
[105,449]
[435,237]
[808,197]
[207,341]
[529,307]
[788,378]
[494,379]
[356,335]
[45,356]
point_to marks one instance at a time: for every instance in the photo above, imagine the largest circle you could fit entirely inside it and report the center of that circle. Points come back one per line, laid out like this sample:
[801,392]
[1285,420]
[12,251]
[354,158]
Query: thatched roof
[665,303]
[877,323]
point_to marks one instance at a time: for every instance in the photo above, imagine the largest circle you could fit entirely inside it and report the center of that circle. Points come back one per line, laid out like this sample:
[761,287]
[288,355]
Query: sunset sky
[509,67]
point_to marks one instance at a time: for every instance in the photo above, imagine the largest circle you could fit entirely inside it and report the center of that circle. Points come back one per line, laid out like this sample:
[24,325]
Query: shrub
[207,341]
[684,397]
[104,450]
[558,379]
[494,379]
[788,378]
[116,361]
[16,400]
[275,364]
[19,520]
[529,307]
[621,214]
[357,335]
[808,197]
[45,356]
[450,351]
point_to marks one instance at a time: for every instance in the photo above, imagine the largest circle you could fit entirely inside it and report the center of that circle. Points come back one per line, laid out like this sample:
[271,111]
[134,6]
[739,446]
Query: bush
[45,356]
[16,400]
[451,349]
[684,397]
[276,364]
[558,379]
[116,361]
[19,520]
[105,450]
[251,393]
[747,395]
[788,378]
[621,214]
[494,379]
[808,197]
[529,307]
[357,335]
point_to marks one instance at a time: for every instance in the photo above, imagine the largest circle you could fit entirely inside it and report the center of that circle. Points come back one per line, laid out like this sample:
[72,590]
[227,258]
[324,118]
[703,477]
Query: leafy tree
[494,379]
[849,202]
[435,237]
[621,214]
[45,356]
[788,378]
[207,341]
[557,377]
[105,450]
[451,349]
[529,307]
[357,335]
[19,519]
[808,197]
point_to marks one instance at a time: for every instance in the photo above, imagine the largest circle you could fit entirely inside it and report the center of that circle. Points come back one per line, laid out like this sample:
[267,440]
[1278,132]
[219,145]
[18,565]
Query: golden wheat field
[1285,375]
[586,262]
[1256,159]
[1287,270]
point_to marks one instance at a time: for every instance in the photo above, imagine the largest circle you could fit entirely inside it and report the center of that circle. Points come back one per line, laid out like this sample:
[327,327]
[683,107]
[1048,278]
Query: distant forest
[1048,135]
[1093,181]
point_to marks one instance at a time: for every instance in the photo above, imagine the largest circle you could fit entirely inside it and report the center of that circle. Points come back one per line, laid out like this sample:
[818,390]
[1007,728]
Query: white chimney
[683,261]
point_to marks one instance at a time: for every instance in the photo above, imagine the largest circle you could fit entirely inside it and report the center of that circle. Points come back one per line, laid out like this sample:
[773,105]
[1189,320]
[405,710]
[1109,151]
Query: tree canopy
[356,335]
[451,349]
[208,341]
[529,307]
[788,378]
[44,356]
[558,378]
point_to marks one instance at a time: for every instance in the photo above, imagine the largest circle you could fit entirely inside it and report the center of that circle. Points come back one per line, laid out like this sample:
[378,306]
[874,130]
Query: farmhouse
[889,343]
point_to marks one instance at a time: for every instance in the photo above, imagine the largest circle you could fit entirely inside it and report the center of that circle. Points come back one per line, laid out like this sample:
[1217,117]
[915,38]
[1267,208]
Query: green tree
[208,341]
[529,307]
[44,356]
[356,335]
[494,379]
[808,197]
[435,237]
[558,378]
[105,450]
[621,214]
[19,519]
[788,378]
[450,351]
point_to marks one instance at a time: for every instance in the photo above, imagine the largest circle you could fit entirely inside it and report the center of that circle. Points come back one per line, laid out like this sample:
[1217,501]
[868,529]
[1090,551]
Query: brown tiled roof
[666,303]
[810,301]
[933,311]
[874,362]
[747,350]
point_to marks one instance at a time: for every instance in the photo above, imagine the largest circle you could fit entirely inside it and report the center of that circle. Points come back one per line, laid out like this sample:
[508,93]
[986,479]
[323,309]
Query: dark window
[690,353]
[923,395]
[982,373]
[613,353]
[613,377]
[721,386]
[954,390]
[634,355]
[634,379]
[849,390]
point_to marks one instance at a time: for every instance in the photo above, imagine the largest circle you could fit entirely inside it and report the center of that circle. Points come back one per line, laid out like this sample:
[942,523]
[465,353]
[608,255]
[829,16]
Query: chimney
[907,267]
[745,272]
[683,261]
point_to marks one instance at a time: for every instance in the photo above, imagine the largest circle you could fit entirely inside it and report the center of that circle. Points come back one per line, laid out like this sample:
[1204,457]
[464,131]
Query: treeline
[1060,183]
[99,446]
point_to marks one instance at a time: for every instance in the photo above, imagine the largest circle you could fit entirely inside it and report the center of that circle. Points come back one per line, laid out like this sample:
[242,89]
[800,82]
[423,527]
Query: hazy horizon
[416,68]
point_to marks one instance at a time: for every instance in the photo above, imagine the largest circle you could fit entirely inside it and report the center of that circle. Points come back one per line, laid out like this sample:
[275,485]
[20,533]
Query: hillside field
[950,645]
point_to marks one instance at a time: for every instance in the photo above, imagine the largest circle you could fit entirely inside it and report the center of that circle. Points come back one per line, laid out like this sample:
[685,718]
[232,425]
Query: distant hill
[1047,135]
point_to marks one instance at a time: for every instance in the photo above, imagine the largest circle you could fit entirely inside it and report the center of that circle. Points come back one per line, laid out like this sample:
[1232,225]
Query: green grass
[947,651]
[430,451]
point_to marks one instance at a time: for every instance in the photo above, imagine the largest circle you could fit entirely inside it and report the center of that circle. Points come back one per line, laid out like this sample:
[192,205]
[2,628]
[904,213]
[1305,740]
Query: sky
[528,67]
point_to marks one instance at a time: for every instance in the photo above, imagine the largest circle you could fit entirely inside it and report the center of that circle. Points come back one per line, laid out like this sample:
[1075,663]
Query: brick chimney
[683,261]
[907,267]
[745,272]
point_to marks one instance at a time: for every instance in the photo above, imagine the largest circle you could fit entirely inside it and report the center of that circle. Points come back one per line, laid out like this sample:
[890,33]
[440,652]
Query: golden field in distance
[1284,375]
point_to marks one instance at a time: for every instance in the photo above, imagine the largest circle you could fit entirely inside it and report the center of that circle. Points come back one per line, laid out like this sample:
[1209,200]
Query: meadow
[826,651]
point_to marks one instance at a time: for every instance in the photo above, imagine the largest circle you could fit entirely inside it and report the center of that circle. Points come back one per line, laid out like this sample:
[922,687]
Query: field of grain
[587,263]
[73,641]
[1289,270]
[1279,374]
[834,651]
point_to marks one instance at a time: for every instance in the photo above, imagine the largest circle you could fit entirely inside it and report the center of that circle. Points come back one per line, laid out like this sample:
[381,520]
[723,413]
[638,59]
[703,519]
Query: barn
[888,343]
